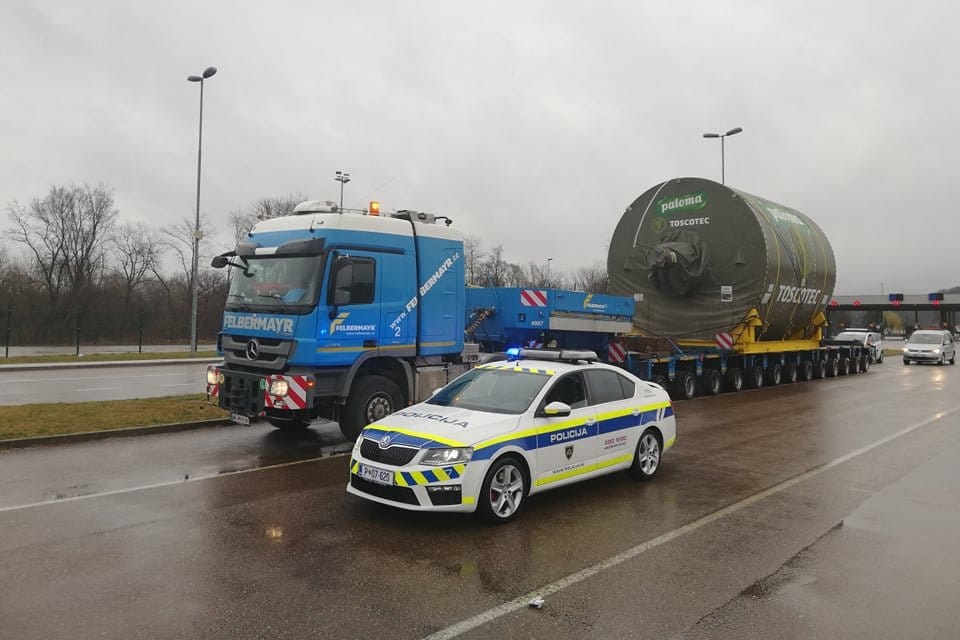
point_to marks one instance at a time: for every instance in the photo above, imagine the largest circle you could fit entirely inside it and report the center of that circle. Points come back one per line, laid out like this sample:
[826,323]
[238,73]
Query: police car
[508,429]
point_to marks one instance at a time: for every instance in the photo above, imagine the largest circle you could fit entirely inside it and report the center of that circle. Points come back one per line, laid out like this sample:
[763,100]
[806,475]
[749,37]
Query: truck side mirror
[218,262]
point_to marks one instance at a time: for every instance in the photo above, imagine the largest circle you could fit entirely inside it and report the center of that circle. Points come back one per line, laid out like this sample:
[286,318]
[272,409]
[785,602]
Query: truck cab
[340,316]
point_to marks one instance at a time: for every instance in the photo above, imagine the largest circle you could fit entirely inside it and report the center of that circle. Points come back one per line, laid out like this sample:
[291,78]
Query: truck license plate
[374,474]
[241,419]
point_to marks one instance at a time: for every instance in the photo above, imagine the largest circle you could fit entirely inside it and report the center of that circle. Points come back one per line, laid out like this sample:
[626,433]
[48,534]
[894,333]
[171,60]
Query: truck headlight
[279,388]
[212,376]
[438,457]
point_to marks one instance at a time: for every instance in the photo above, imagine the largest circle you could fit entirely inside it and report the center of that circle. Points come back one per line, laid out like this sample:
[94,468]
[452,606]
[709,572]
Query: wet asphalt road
[101,383]
[824,509]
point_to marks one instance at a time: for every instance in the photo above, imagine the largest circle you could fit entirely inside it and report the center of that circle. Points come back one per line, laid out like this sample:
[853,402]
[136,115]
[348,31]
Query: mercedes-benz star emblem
[253,349]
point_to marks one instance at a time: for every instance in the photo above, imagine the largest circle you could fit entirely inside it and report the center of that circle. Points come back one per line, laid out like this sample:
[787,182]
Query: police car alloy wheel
[646,462]
[503,490]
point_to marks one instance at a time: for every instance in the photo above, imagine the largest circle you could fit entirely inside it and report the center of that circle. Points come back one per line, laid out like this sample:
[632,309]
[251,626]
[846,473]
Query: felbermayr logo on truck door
[256,322]
[672,205]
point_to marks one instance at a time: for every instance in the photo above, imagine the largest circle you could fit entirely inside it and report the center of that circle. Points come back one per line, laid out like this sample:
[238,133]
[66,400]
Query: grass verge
[107,357]
[32,420]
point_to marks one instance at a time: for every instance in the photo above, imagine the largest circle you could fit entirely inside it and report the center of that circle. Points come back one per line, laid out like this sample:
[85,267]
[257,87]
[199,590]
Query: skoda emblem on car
[385,440]
[253,349]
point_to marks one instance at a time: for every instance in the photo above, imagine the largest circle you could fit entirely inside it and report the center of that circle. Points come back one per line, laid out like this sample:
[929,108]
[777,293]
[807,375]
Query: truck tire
[806,370]
[371,399]
[833,367]
[790,372]
[822,369]
[734,380]
[712,381]
[661,381]
[845,366]
[756,377]
[774,375]
[864,363]
[685,386]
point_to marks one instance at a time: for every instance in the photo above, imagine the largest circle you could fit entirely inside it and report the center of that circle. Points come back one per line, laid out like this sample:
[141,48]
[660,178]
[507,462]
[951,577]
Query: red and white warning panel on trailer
[724,340]
[533,298]
[616,353]
[296,397]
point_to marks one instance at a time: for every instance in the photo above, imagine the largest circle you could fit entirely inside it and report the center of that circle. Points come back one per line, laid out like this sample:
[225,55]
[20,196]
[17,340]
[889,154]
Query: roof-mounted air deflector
[309,247]
[247,249]
[315,206]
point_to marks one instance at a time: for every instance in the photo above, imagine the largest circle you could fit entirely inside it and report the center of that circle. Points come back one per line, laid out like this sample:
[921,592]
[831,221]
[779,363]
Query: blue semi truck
[350,317]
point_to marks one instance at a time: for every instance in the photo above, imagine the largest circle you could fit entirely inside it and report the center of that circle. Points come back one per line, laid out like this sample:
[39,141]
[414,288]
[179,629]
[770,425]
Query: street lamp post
[207,73]
[343,178]
[732,132]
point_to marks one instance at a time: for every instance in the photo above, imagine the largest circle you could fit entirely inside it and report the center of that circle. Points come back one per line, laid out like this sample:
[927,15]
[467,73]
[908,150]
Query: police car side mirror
[556,409]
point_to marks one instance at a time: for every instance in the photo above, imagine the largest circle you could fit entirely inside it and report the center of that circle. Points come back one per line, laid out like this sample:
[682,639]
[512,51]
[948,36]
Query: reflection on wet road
[755,479]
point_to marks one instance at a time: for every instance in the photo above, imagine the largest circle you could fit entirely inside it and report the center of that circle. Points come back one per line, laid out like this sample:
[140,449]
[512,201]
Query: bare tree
[242,220]
[473,257]
[65,233]
[137,255]
[179,239]
[593,279]
[493,269]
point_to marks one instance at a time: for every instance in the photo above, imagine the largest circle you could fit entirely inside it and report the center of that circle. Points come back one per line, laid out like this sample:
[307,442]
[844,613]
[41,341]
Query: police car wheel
[646,461]
[371,399]
[503,491]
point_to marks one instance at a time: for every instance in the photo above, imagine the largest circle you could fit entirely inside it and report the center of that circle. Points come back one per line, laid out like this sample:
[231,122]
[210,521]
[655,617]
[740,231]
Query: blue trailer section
[503,317]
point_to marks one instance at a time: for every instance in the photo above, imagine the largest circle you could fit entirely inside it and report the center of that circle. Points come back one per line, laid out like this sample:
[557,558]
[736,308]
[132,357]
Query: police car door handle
[591,421]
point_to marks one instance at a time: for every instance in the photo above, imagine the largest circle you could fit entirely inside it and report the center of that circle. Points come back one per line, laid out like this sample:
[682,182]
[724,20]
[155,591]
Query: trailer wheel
[774,375]
[833,367]
[734,380]
[713,381]
[806,370]
[372,398]
[790,372]
[685,388]
[756,377]
[661,381]
[822,369]
[845,366]
[864,363]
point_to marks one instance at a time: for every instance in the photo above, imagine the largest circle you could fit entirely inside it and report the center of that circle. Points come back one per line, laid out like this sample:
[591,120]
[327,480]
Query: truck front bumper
[251,394]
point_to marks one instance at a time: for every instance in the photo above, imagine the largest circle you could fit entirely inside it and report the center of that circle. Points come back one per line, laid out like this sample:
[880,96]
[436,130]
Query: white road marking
[169,374]
[97,389]
[157,485]
[521,602]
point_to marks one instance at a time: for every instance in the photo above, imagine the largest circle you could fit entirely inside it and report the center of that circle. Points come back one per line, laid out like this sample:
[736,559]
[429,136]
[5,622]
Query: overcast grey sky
[532,124]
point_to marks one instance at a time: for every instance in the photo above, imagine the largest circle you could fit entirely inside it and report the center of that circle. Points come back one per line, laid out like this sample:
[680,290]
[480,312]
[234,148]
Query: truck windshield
[493,390]
[276,282]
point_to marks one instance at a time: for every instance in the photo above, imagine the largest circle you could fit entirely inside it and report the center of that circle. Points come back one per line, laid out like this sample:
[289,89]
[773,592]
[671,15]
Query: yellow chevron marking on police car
[441,474]
[418,477]
[415,434]
[398,479]
[468,500]
[354,467]
[582,470]
[669,443]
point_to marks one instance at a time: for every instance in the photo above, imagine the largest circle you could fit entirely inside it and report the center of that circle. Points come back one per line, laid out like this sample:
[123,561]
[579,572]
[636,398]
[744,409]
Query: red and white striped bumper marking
[616,352]
[533,298]
[724,340]
[213,390]
[296,397]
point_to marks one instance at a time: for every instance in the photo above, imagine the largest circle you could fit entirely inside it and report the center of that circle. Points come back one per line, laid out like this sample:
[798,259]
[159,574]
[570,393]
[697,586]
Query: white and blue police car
[506,430]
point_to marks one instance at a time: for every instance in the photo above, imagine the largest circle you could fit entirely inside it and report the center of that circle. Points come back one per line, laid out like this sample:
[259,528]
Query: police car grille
[394,456]
[387,492]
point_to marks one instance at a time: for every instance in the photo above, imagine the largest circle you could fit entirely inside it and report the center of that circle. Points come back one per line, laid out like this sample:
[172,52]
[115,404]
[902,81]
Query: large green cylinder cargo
[698,256]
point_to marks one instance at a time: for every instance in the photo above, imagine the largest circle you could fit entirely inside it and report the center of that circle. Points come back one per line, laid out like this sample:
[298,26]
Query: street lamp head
[711,135]
[209,72]
[194,78]
[733,131]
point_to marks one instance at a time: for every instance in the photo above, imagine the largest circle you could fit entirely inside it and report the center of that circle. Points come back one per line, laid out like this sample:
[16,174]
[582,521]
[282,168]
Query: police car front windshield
[275,282]
[492,390]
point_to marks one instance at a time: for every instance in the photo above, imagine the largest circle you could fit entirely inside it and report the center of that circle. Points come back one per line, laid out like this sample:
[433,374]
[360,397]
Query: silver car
[930,345]
[869,339]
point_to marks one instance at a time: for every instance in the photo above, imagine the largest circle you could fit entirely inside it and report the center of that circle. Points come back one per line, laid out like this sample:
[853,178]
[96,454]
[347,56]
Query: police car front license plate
[375,474]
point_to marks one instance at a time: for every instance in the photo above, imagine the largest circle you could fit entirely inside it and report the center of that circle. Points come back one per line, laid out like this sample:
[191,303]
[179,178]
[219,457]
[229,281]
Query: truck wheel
[806,370]
[864,364]
[713,381]
[822,369]
[685,386]
[833,367]
[756,377]
[790,372]
[661,381]
[734,380]
[774,375]
[845,366]
[372,398]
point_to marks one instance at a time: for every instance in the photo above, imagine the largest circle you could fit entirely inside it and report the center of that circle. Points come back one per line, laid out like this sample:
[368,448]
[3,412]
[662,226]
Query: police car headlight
[212,377]
[279,388]
[936,350]
[447,456]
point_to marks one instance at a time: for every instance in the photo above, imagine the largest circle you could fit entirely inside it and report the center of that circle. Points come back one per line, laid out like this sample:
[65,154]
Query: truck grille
[397,494]
[271,353]
[395,456]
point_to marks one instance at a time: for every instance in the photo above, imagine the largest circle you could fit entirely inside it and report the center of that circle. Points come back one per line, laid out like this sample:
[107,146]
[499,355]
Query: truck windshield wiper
[242,297]
[276,297]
